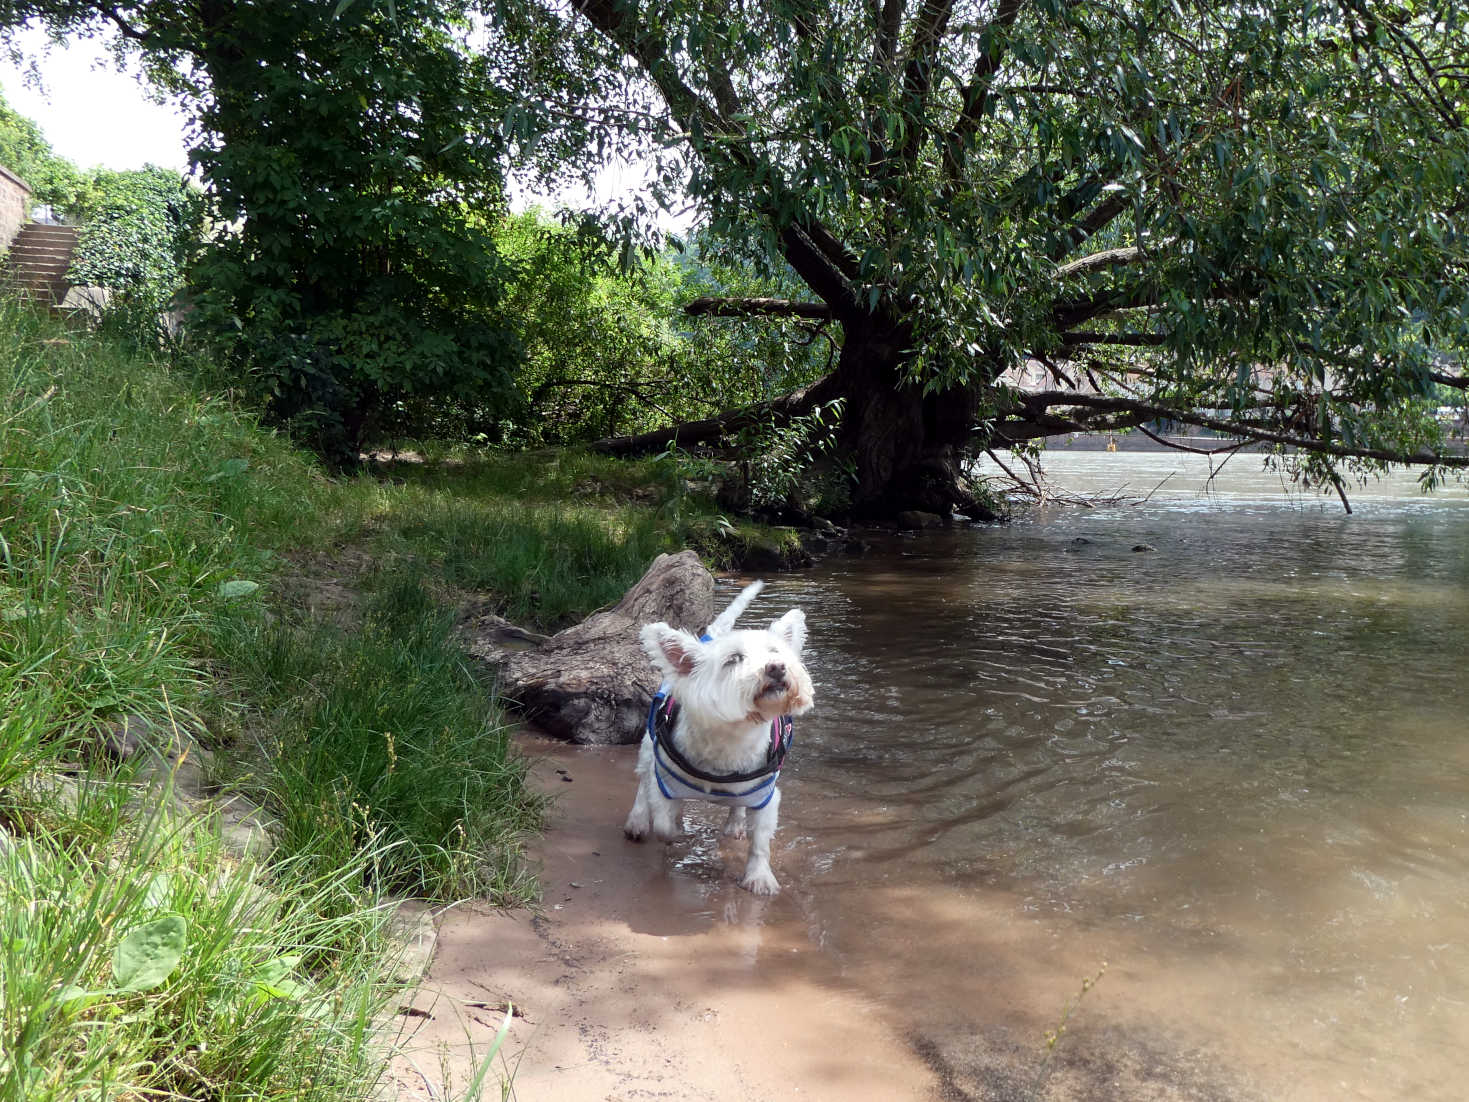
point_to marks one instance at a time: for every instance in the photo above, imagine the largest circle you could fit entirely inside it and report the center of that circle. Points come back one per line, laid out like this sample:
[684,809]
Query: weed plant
[154,966]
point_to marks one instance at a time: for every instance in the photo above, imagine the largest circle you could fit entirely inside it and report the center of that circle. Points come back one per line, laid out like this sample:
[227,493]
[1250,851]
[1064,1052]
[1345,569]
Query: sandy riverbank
[632,986]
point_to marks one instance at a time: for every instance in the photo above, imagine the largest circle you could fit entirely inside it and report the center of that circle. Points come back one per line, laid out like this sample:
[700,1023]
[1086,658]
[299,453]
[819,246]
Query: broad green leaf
[149,953]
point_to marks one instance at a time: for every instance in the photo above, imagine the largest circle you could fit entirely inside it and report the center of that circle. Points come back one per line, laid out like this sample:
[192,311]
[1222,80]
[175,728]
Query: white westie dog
[720,726]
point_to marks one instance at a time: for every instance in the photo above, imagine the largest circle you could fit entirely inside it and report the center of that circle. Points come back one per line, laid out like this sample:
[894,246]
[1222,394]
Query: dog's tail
[725,621]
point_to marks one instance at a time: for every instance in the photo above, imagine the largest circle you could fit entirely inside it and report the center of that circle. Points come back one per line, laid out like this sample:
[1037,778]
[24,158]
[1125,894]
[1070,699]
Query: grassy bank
[165,561]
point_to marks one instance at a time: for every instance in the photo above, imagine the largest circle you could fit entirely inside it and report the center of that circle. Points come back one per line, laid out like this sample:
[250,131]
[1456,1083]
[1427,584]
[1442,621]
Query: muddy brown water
[1234,768]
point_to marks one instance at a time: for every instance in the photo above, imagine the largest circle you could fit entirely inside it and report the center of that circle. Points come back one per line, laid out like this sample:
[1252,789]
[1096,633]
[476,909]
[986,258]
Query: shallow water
[1234,767]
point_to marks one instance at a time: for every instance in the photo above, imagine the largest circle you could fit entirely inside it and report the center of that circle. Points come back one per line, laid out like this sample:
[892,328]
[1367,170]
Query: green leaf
[230,468]
[239,587]
[72,998]
[149,953]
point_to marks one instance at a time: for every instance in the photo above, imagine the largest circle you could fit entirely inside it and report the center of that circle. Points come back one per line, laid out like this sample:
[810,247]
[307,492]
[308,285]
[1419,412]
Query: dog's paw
[761,882]
[637,827]
[734,826]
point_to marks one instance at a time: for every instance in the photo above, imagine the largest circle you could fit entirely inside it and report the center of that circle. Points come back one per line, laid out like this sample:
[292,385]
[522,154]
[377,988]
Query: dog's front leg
[640,818]
[652,812]
[734,826]
[758,877]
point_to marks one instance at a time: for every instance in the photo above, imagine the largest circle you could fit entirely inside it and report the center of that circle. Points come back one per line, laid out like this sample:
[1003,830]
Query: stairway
[36,265]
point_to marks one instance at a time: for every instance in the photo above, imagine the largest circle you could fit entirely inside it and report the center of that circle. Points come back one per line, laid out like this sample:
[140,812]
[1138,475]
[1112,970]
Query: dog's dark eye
[734,659]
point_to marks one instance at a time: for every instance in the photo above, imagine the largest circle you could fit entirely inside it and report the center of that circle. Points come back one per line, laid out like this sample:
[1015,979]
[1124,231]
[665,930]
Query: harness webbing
[662,716]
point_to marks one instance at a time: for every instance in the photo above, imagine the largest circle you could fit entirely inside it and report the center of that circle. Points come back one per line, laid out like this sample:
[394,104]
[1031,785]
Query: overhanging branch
[757,307]
[776,411]
[1034,417]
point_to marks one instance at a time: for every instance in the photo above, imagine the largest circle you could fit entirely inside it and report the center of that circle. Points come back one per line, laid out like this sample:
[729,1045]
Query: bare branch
[1108,258]
[126,29]
[1135,340]
[1076,311]
[928,32]
[1035,412]
[1176,446]
[1099,219]
[777,410]
[885,41]
[977,92]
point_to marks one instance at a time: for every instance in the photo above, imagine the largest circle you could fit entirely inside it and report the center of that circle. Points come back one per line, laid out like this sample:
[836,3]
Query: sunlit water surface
[1234,766]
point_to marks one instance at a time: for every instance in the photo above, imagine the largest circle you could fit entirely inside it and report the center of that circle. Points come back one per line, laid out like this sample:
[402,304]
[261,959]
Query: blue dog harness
[752,789]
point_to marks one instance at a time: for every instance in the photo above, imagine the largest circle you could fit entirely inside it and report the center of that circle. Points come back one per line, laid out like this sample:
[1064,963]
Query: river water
[1233,767]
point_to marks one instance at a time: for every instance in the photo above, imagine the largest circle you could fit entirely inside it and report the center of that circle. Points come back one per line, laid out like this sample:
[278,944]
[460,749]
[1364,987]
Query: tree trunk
[907,446]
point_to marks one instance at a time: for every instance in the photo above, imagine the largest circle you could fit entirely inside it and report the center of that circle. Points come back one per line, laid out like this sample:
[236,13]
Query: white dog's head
[737,676]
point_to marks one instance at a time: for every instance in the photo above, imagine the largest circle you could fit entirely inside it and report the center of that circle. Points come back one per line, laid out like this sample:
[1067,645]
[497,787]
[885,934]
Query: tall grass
[385,734]
[270,988]
[140,525]
[125,500]
[143,531]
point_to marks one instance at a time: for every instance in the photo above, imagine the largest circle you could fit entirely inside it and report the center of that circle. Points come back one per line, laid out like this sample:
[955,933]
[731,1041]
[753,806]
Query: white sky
[96,116]
[91,113]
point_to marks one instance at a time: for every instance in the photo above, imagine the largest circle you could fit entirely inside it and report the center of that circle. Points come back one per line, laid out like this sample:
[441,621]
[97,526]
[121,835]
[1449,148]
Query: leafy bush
[137,232]
[794,466]
[26,152]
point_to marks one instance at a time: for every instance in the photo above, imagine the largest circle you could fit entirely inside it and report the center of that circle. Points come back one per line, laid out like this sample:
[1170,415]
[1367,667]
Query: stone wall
[15,206]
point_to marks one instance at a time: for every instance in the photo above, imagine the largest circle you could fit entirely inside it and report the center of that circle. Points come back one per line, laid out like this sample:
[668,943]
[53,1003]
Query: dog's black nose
[776,671]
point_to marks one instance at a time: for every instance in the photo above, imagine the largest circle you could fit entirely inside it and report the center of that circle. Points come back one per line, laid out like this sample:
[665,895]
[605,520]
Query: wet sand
[630,983]
[1244,788]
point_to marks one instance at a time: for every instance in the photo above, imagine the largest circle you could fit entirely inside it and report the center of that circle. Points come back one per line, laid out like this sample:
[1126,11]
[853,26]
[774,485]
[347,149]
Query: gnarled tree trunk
[907,446]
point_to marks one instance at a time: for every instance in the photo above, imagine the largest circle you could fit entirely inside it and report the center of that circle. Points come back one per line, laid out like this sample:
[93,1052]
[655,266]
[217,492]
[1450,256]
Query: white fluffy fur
[729,690]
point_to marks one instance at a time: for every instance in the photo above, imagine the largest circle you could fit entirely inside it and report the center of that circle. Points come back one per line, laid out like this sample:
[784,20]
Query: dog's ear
[792,629]
[673,652]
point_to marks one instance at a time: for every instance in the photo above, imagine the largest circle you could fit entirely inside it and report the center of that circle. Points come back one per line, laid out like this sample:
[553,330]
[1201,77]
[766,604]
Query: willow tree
[1245,216]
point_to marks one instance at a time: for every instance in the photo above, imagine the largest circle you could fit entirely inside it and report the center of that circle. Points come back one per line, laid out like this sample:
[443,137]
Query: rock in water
[591,684]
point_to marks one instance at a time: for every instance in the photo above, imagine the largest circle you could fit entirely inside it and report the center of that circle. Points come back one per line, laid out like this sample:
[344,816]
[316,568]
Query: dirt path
[637,985]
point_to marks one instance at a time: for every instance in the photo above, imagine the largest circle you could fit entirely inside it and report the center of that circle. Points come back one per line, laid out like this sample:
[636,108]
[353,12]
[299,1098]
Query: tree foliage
[1248,216]
[352,155]
[26,152]
[608,348]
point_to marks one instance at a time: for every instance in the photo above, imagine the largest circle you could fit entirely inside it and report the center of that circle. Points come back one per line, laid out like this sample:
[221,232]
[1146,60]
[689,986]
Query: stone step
[30,253]
[43,229]
[38,260]
[35,267]
[37,271]
[47,248]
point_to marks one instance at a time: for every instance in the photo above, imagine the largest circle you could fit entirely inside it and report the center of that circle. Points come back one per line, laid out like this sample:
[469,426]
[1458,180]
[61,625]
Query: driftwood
[592,684]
